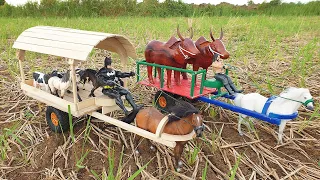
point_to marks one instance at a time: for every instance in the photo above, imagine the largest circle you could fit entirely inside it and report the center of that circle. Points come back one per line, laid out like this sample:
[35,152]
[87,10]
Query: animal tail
[238,98]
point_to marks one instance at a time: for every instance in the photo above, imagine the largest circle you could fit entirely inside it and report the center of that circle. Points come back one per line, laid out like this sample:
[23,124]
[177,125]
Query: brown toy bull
[174,53]
[208,52]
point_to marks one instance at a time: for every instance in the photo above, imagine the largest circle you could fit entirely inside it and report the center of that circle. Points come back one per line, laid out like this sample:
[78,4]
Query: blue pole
[240,110]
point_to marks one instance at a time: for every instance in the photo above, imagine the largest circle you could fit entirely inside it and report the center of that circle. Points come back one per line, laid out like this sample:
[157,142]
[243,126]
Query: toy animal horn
[221,34]
[178,32]
[211,35]
[191,32]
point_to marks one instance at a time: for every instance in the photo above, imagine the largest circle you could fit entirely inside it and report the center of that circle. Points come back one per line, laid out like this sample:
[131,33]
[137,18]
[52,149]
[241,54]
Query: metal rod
[240,110]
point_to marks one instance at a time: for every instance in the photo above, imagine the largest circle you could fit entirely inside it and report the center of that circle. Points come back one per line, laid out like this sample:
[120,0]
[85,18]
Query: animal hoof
[137,152]
[178,169]
[241,133]
[153,148]
[280,142]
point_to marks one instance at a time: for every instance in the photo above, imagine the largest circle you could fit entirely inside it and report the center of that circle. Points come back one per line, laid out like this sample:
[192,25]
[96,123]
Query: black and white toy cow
[41,80]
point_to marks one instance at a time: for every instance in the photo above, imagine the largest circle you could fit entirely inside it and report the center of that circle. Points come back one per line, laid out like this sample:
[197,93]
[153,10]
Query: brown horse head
[187,47]
[187,113]
[197,123]
[217,47]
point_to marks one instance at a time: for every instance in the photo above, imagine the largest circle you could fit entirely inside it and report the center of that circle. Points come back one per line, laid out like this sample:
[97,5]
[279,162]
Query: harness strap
[280,116]
[267,104]
[185,56]
[161,125]
[273,115]
[214,52]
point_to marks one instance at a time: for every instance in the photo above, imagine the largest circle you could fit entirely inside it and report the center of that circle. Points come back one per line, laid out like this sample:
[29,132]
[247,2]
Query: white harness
[185,56]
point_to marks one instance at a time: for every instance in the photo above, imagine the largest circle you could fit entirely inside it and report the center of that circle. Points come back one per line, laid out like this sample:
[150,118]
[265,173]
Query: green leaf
[204,172]
[235,167]
[70,123]
[95,174]
[80,161]
[139,171]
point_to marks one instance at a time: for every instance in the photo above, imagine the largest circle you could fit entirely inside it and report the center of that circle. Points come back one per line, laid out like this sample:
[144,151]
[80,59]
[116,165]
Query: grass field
[269,53]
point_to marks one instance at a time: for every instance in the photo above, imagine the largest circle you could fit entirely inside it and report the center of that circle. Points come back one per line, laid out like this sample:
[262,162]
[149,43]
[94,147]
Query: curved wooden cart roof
[76,45]
[72,43]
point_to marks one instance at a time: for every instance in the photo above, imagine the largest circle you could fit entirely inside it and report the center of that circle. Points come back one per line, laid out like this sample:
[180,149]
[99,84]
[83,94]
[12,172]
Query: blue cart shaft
[240,110]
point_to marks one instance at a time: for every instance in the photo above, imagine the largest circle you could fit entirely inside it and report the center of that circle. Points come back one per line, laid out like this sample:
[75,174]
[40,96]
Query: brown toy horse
[174,55]
[184,119]
[208,52]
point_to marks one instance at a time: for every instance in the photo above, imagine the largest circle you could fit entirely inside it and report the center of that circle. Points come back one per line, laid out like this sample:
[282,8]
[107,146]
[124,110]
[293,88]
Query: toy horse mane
[180,110]
[66,77]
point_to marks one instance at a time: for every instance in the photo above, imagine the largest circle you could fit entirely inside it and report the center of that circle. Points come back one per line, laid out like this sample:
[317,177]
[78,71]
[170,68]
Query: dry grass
[32,151]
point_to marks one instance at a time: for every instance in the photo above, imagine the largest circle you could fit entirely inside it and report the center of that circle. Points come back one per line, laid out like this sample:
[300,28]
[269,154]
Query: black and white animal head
[79,73]
[66,77]
[56,73]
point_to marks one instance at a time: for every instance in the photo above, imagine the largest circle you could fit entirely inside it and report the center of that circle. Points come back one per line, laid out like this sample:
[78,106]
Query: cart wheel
[164,101]
[57,120]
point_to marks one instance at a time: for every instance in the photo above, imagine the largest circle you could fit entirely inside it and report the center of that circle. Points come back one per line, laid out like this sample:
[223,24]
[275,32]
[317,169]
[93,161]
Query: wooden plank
[107,109]
[72,33]
[104,101]
[21,56]
[55,44]
[86,103]
[88,110]
[133,129]
[72,63]
[79,55]
[88,35]
[161,126]
[48,98]
[170,137]
[44,35]
[75,31]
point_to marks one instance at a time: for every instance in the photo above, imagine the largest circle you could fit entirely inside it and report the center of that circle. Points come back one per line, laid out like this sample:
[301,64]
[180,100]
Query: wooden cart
[76,45]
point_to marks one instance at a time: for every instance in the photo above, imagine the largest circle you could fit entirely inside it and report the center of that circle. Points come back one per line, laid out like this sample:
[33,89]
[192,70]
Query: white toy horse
[284,105]
[55,83]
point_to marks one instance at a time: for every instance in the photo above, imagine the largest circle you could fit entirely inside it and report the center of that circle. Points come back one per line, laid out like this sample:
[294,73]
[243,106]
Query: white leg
[249,124]
[62,93]
[137,152]
[152,148]
[239,124]
[180,163]
[34,83]
[281,128]
[47,87]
